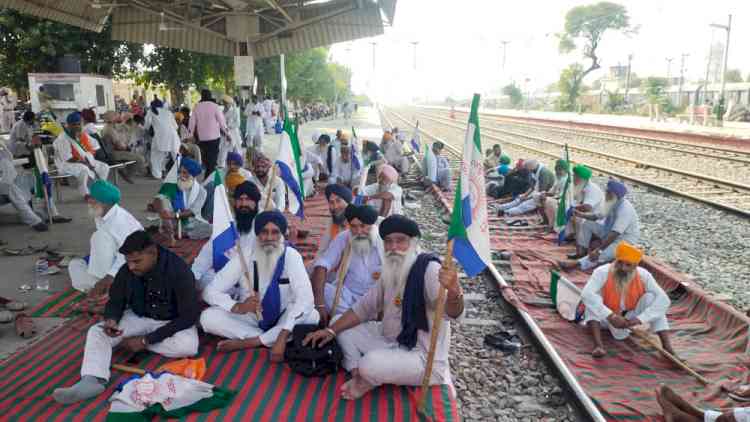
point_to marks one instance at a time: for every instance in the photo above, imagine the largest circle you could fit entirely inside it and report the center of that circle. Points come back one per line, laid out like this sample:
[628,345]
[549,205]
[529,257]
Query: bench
[116,167]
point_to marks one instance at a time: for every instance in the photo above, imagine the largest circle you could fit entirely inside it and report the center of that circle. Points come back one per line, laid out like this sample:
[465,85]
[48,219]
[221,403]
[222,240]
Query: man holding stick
[394,350]
[355,258]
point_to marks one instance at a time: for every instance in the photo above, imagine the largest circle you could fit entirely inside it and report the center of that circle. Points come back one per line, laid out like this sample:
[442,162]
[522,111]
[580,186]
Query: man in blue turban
[277,297]
[182,197]
[74,155]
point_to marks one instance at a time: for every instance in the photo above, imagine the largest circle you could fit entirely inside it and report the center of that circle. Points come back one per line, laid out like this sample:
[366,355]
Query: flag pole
[269,189]
[343,269]
[437,320]
[47,204]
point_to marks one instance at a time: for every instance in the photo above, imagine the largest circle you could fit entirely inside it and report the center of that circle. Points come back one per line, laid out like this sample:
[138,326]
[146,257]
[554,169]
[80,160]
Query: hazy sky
[459,50]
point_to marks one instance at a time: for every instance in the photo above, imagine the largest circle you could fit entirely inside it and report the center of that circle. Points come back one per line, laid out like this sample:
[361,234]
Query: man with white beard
[114,224]
[394,153]
[185,202]
[394,350]
[621,296]
[620,225]
[365,251]
[587,198]
[344,171]
[246,199]
[338,197]
[384,196]
[279,290]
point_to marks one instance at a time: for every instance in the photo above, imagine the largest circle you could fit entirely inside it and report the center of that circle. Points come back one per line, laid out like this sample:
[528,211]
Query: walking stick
[179,225]
[437,320]
[343,269]
[39,155]
[671,357]
[269,190]
[128,369]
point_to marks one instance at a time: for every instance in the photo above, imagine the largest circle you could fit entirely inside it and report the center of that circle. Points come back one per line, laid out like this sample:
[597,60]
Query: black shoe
[504,341]
[41,227]
[61,220]
[575,255]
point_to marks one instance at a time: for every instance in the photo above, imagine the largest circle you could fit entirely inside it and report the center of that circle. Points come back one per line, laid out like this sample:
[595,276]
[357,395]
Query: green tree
[734,75]
[570,87]
[615,101]
[28,45]
[587,25]
[514,93]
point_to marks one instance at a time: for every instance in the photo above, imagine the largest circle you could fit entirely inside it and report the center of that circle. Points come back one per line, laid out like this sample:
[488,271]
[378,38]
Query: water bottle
[41,278]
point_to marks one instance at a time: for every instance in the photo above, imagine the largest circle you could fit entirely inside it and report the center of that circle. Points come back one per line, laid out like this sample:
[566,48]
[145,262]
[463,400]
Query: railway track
[584,402]
[727,195]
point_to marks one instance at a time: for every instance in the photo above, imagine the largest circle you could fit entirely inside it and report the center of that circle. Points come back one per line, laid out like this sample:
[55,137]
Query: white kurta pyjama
[104,259]
[741,414]
[394,189]
[297,301]
[651,309]
[234,141]
[203,266]
[11,192]
[363,272]
[346,174]
[63,152]
[626,225]
[371,347]
[166,139]
[278,193]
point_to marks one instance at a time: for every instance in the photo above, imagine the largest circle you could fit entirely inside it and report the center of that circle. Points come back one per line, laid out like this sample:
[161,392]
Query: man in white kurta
[677,409]
[393,150]
[587,198]
[232,140]
[246,198]
[622,296]
[385,351]
[344,171]
[187,207]
[267,307]
[71,157]
[11,193]
[113,224]
[166,139]
[438,171]
[327,155]
[363,266]
[261,178]
[384,196]
[7,110]
[338,197]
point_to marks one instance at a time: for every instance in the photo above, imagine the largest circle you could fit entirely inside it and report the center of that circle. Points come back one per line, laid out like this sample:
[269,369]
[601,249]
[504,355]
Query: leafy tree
[587,25]
[615,101]
[734,75]
[29,44]
[570,87]
[514,93]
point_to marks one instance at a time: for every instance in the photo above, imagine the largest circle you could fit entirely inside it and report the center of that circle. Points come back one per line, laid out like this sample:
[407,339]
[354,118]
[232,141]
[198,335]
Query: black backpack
[312,361]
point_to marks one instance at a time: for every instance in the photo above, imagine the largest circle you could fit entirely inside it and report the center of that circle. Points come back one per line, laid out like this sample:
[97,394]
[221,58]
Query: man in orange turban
[620,296]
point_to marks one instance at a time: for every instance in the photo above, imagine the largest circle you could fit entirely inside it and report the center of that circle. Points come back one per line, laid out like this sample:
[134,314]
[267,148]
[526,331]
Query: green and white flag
[566,297]
[566,199]
[165,395]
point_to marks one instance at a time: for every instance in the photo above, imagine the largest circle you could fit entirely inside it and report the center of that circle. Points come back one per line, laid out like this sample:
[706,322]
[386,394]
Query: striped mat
[266,391]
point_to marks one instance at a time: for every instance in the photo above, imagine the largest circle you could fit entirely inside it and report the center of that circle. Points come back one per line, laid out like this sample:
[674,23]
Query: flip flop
[15,306]
[518,223]
[25,326]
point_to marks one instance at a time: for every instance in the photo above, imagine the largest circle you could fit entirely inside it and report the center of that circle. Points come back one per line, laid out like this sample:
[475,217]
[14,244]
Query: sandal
[518,223]
[504,341]
[25,326]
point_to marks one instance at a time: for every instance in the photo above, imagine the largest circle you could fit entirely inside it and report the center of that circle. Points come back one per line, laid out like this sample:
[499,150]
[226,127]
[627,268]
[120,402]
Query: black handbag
[312,361]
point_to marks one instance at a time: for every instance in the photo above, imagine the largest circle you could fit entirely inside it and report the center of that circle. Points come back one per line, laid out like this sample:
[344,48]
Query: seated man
[246,199]
[393,151]
[620,225]
[551,199]
[232,176]
[496,157]
[267,310]
[384,196]
[543,181]
[74,155]
[261,177]
[113,225]
[677,409]
[344,171]
[365,251]
[116,141]
[587,198]
[327,155]
[153,306]
[437,170]
[184,201]
[621,296]
[22,135]
[338,197]
[393,350]
[11,193]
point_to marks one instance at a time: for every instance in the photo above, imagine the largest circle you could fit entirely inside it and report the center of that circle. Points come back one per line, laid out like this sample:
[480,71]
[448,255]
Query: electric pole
[669,71]
[682,78]
[414,43]
[627,80]
[722,100]
[505,47]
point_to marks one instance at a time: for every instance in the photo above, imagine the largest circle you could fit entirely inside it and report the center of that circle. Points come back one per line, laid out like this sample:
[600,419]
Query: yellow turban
[628,253]
[233,180]
[179,117]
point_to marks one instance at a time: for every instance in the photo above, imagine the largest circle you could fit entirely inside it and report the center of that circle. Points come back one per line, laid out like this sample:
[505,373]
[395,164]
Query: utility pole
[682,78]
[415,43]
[722,100]
[627,80]
[669,71]
[505,47]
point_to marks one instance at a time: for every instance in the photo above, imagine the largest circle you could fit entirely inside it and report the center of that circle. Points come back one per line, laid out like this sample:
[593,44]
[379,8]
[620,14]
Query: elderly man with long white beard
[184,202]
[74,155]
[344,172]
[620,225]
[621,296]
[393,350]
[394,153]
[365,258]
[246,199]
[338,197]
[279,290]
[95,273]
[384,196]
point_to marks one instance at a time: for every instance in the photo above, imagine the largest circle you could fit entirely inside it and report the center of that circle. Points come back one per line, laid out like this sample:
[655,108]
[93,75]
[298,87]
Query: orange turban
[179,117]
[387,136]
[628,253]
[233,180]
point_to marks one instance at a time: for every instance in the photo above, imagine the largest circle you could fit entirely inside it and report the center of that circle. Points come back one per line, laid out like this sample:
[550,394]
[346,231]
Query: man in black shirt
[152,305]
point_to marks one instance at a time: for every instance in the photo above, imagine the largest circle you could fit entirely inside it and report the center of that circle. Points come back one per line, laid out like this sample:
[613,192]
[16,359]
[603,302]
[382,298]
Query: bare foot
[598,352]
[356,388]
[232,345]
[665,407]
[567,264]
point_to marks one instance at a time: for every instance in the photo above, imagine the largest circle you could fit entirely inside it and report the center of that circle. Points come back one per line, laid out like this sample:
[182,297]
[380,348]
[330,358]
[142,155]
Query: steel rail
[658,186]
[583,398]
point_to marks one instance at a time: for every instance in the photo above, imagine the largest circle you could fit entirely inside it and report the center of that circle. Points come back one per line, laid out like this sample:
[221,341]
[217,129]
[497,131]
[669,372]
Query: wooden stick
[179,225]
[46,203]
[671,357]
[437,320]
[343,269]
[128,369]
[269,190]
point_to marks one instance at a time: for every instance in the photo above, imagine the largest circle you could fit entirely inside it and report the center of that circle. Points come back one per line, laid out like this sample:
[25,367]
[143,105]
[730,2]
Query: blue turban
[73,118]
[192,166]
[339,190]
[249,189]
[617,188]
[235,157]
[397,223]
[275,217]
[503,169]
[364,213]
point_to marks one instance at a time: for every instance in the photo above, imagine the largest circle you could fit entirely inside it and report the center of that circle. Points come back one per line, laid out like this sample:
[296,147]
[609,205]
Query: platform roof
[259,28]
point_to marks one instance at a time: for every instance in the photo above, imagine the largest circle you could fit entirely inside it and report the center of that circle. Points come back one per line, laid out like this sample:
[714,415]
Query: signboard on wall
[244,70]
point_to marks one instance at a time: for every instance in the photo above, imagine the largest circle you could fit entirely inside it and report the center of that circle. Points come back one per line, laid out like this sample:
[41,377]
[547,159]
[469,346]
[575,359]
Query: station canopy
[258,28]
